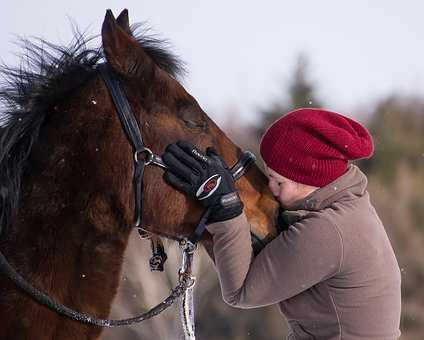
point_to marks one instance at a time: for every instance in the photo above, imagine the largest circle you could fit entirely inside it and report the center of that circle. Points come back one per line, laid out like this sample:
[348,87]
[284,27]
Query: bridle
[143,156]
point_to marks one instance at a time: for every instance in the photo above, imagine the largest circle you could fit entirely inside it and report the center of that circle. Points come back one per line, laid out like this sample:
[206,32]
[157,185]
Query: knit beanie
[313,146]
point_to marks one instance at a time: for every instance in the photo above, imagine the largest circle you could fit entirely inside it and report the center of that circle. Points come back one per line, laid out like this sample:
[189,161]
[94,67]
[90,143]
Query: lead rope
[187,300]
[185,281]
[189,245]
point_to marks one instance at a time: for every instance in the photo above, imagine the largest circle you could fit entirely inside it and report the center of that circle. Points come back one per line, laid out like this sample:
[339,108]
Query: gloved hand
[206,177]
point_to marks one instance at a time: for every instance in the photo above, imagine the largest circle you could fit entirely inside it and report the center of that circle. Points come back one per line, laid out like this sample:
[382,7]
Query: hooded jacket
[333,272]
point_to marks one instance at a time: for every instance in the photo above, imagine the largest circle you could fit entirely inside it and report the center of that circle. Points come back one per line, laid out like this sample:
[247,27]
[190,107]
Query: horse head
[166,113]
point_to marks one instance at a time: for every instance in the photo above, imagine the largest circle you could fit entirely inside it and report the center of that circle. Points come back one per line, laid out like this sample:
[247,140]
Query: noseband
[143,156]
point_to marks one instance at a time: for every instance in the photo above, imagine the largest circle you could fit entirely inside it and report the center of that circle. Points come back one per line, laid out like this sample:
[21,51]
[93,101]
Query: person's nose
[272,188]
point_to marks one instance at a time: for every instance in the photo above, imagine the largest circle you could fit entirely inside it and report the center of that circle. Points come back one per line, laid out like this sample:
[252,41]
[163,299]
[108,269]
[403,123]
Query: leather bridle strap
[133,133]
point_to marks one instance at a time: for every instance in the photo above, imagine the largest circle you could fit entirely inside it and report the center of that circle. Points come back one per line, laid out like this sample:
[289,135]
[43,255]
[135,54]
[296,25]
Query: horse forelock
[159,50]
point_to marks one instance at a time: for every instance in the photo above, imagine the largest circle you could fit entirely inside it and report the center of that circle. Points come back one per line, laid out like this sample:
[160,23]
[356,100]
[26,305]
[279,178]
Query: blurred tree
[396,185]
[397,126]
[301,93]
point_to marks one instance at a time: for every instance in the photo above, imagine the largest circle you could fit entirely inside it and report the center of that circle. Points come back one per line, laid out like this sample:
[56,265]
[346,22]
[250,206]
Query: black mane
[47,74]
[158,50]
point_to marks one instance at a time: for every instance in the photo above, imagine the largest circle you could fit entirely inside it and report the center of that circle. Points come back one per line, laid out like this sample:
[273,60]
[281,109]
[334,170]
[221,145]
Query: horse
[66,171]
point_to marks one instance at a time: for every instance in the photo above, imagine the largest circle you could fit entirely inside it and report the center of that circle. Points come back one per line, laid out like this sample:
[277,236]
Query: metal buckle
[148,155]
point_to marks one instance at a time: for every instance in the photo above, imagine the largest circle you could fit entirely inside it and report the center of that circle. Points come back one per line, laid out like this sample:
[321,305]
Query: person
[332,271]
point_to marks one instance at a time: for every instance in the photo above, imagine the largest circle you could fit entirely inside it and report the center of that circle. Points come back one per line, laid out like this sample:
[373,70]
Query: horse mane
[48,73]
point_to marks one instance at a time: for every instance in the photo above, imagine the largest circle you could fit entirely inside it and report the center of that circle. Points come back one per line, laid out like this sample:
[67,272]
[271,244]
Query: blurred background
[248,63]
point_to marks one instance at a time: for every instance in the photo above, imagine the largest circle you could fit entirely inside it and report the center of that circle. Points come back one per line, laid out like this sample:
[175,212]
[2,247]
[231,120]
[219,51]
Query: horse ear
[123,21]
[123,53]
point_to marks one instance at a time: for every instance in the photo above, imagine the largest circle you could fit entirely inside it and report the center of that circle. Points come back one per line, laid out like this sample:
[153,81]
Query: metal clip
[190,280]
[187,246]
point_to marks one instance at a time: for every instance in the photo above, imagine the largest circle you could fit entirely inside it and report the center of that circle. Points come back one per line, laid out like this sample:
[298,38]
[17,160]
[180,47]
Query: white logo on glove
[208,187]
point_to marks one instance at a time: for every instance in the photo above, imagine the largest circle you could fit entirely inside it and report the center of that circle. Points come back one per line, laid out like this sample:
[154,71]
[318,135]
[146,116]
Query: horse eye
[191,124]
[191,116]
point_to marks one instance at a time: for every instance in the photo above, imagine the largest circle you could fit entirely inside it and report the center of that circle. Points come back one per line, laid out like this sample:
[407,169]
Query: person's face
[286,191]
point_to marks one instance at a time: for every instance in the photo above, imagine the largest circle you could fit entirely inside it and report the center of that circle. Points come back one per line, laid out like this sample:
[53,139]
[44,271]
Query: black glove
[205,177]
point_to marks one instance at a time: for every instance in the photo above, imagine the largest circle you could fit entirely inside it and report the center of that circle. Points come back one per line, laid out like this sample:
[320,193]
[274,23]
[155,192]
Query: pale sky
[240,54]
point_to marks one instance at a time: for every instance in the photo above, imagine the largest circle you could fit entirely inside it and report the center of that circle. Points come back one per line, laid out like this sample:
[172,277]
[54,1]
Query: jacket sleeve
[309,252]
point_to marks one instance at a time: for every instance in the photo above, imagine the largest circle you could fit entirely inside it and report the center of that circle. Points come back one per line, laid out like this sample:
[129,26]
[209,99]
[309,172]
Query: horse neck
[70,235]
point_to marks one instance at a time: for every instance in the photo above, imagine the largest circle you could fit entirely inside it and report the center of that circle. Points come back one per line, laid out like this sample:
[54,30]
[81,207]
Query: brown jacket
[333,272]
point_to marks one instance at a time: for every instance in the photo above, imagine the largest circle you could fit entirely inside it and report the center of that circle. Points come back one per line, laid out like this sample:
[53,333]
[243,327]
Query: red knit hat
[313,146]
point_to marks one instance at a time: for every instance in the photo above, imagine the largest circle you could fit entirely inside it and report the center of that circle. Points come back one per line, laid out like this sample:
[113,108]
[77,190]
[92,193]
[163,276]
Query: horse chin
[261,229]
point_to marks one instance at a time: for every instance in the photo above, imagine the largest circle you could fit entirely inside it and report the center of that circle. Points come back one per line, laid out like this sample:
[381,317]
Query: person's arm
[309,252]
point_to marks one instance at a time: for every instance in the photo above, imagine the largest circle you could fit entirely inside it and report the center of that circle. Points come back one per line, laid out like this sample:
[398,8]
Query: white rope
[187,301]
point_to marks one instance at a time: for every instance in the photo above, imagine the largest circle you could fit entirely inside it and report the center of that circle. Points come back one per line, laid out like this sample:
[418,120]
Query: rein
[185,281]
[142,156]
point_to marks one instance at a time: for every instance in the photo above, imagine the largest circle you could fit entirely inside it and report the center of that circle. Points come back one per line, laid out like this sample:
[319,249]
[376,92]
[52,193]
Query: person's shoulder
[316,234]
[318,222]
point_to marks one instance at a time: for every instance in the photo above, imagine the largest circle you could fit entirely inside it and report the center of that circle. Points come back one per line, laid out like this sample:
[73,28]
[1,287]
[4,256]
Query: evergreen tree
[397,126]
[301,93]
